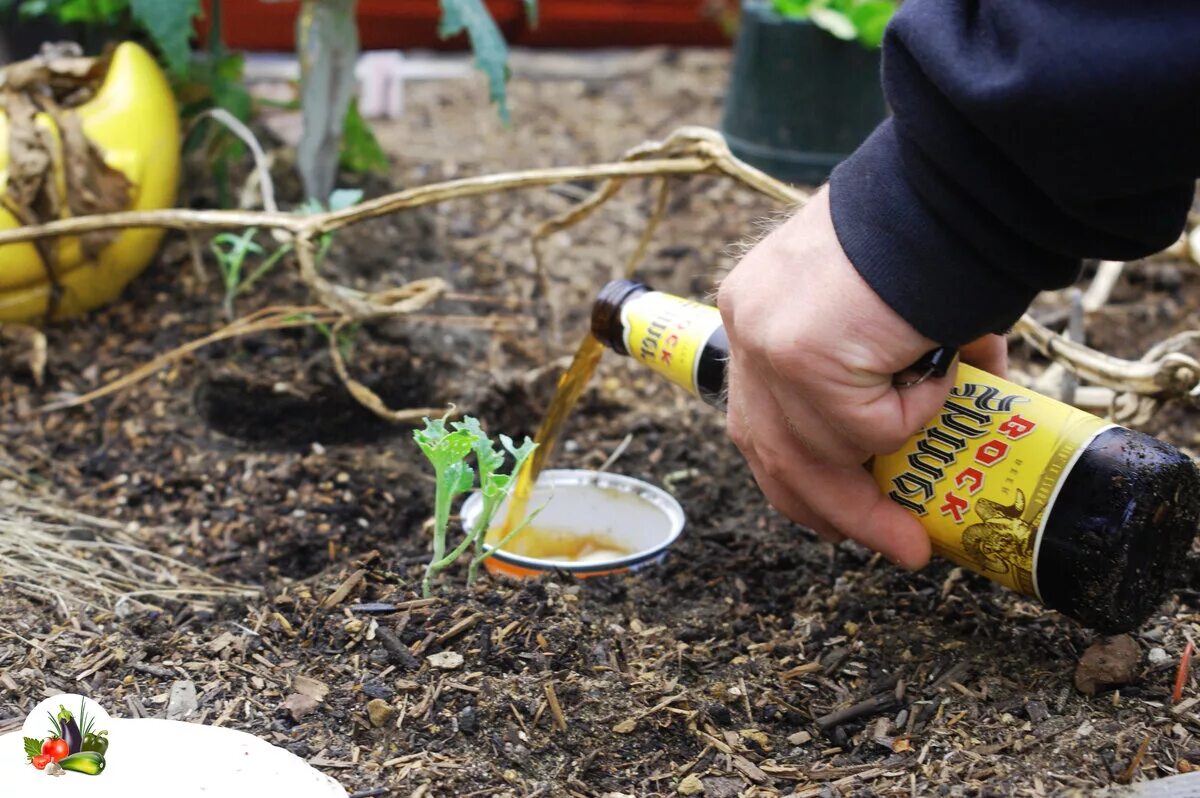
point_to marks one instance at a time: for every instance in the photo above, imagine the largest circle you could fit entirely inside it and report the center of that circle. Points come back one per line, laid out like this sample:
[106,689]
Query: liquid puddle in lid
[566,545]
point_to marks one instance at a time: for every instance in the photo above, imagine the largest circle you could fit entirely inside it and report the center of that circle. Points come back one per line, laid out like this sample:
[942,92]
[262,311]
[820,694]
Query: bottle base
[1120,529]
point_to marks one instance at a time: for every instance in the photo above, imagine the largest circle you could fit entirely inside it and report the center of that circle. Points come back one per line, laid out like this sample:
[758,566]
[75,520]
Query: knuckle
[775,467]
[737,432]
[727,298]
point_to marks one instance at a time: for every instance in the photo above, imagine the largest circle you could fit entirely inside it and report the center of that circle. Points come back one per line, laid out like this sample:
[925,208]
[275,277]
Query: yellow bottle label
[983,475]
[668,334]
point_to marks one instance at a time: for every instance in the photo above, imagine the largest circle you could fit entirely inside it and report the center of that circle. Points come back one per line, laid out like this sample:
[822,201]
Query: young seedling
[494,488]
[447,449]
[231,251]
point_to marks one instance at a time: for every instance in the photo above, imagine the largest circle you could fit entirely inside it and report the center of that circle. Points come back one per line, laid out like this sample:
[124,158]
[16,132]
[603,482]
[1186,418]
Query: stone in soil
[1109,662]
[182,701]
[380,712]
[445,660]
[468,720]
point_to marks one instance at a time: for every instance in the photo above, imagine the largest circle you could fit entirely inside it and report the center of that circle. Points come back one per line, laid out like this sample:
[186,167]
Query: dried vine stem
[1162,372]
[687,151]
[283,318]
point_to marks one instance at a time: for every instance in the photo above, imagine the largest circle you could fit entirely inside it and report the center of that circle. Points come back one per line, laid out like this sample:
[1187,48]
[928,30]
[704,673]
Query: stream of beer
[570,387]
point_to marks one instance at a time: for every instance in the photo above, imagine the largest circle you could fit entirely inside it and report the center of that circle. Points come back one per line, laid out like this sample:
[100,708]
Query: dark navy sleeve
[1025,136]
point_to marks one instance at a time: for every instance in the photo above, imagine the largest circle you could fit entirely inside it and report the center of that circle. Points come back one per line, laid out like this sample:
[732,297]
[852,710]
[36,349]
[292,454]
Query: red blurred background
[403,24]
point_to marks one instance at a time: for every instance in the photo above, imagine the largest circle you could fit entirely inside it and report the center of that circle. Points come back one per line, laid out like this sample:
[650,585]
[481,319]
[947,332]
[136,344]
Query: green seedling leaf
[531,12]
[441,447]
[360,151]
[433,433]
[343,198]
[495,487]
[170,26]
[522,452]
[460,478]
[231,251]
[339,200]
[491,52]
[488,458]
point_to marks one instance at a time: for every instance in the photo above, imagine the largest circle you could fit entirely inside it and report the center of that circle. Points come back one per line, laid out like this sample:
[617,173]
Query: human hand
[813,354]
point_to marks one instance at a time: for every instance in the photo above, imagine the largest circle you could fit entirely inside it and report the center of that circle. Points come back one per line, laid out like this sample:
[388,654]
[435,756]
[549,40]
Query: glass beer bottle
[1091,518]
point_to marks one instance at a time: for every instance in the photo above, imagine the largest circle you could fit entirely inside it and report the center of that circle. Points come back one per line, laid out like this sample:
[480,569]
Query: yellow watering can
[134,123]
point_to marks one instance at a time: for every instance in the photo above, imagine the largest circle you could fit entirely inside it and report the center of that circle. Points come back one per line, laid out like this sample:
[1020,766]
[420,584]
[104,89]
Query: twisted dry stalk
[77,561]
[1162,374]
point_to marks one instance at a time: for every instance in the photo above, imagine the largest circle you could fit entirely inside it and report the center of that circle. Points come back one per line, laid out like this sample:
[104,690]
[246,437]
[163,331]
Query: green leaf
[531,12]
[496,486]
[792,9]
[32,747]
[343,198]
[460,478]
[360,152]
[169,24]
[491,52]
[522,452]
[870,18]
[441,447]
[834,22]
[488,458]
[429,437]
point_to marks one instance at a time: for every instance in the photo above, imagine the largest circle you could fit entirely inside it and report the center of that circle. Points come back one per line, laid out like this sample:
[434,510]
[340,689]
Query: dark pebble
[720,714]
[468,720]
[373,690]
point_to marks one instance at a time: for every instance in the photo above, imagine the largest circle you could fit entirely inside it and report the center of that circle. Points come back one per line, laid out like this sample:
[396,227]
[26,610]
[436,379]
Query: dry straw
[77,561]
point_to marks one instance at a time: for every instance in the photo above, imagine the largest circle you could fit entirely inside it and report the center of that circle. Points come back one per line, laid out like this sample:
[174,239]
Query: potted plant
[805,88]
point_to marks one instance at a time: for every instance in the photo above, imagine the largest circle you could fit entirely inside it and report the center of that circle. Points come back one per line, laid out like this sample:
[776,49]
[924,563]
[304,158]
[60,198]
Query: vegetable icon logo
[73,741]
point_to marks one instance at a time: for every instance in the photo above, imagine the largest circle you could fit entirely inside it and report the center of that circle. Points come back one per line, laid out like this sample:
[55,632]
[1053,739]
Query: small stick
[338,596]
[1107,275]
[560,722]
[398,653]
[1074,333]
[863,709]
[1185,665]
[617,452]
[1127,774]
[458,628]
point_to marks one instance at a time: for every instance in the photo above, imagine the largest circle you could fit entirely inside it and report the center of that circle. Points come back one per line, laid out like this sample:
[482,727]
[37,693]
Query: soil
[755,661]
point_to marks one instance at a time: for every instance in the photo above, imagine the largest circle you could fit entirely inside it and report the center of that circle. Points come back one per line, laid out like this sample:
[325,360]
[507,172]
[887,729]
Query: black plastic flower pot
[22,38]
[800,100]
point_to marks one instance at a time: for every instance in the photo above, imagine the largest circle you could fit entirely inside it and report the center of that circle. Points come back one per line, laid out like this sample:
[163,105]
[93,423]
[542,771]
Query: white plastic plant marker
[150,758]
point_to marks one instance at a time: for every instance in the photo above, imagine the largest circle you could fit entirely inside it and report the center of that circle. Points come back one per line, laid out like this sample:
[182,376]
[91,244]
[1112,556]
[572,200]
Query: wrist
[915,263]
